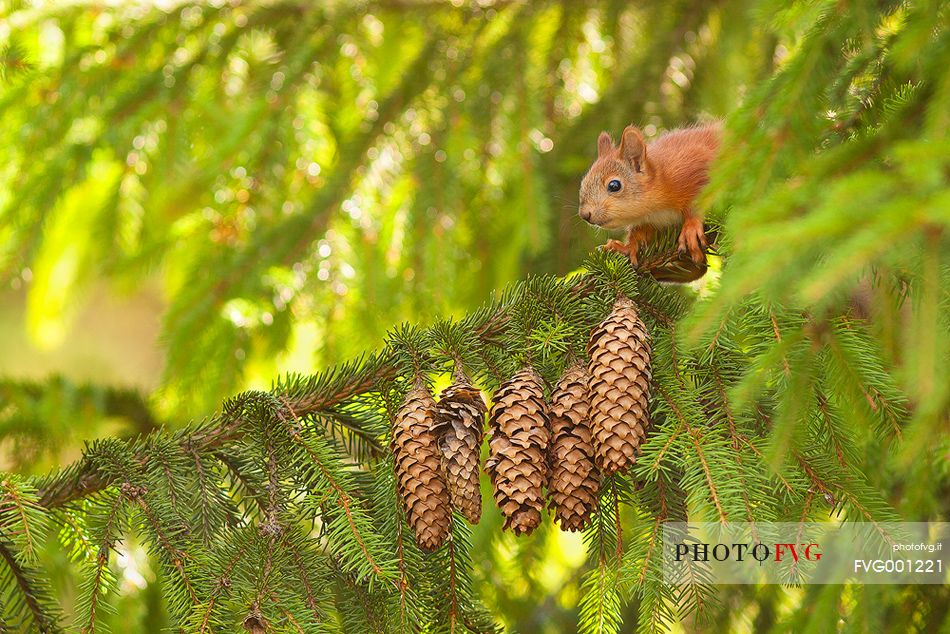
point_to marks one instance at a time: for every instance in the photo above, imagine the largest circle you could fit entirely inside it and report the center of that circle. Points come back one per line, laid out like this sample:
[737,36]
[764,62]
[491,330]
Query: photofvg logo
[804,553]
[761,553]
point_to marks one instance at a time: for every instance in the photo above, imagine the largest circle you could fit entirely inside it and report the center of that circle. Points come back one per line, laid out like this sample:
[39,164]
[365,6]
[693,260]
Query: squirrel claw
[695,252]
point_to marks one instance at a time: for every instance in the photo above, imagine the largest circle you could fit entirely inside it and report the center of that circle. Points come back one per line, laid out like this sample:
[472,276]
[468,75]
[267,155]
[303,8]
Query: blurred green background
[198,197]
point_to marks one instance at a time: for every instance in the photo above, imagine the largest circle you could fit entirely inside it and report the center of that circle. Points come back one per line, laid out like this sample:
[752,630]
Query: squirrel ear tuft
[632,147]
[604,144]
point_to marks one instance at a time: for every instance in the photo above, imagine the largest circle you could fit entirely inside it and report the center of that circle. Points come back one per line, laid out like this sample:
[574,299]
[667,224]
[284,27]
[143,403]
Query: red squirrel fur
[642,187]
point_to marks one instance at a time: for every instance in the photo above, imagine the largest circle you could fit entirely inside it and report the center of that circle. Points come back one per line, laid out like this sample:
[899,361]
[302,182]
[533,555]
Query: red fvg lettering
[780,551]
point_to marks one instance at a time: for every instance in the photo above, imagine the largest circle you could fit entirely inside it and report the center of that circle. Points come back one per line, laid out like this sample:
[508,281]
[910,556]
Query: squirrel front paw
[692,240]
[622,247]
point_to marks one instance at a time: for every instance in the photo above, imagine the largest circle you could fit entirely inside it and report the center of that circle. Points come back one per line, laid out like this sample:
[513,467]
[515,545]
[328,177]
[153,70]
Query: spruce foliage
[806,381]
[279,511]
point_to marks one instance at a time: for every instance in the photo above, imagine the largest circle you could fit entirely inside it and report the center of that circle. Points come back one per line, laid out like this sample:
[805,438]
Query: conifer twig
[43,621]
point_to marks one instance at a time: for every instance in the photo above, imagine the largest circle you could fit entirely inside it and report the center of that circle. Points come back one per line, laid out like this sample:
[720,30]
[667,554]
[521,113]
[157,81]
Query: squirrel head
[612,192]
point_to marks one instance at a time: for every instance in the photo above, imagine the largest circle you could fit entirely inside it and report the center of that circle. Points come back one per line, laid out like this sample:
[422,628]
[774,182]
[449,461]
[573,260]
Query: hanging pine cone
[421,484]
[518,448]
[619,352]
[575,480]
[460,429]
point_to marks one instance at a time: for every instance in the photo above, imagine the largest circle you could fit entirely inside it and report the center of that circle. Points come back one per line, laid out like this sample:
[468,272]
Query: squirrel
[643,187]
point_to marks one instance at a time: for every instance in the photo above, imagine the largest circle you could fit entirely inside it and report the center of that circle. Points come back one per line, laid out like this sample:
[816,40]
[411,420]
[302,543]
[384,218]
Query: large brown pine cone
[460,429]
[619,352]
[575,480]
[421,484]
[518,447]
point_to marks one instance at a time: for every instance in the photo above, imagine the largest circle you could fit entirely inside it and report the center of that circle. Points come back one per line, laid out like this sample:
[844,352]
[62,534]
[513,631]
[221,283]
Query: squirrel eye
[614,186]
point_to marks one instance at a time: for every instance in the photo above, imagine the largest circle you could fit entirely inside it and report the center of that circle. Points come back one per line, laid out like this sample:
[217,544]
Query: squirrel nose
[585,214]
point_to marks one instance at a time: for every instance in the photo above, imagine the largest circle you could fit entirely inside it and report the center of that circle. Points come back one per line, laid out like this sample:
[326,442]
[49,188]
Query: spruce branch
[298,397]
[204,614]
[23,522]
[351,512]
[83,479]
[166,539]
[696,438]
[600,609]
[32,592]
[101,580]
[305,579]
